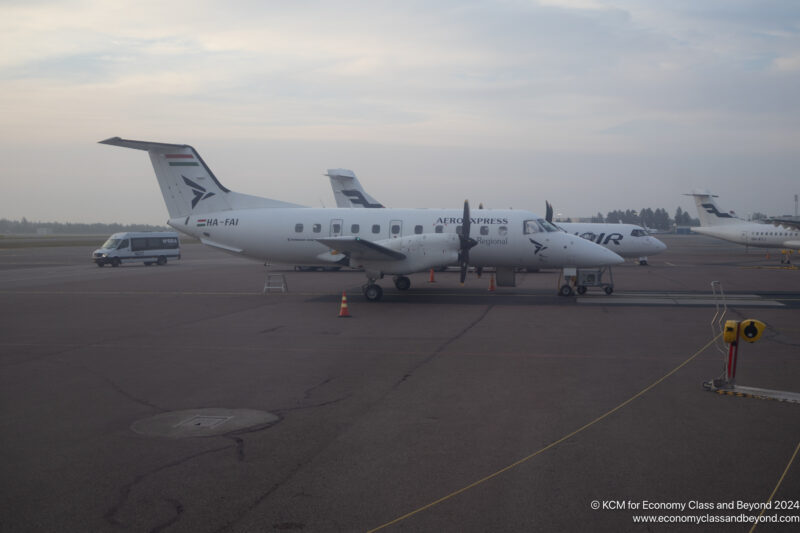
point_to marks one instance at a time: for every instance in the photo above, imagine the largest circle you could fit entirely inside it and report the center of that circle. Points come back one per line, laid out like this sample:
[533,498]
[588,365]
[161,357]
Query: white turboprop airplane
[729,227]
[392,242]
[626,240]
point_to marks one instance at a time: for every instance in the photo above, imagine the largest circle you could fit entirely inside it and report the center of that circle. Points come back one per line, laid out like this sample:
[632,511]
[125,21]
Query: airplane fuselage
[626,240]
[753,234]
[290,235]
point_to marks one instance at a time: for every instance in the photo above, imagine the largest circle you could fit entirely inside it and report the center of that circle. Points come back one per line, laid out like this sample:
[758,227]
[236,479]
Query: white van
[132,247]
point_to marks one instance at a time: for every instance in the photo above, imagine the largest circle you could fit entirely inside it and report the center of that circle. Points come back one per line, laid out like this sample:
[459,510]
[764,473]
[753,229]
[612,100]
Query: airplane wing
[361,249]
[785,222]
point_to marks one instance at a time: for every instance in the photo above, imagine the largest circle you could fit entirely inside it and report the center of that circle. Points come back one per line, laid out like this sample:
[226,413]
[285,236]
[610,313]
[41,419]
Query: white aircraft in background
[392,242]
[729,227]
[626,240]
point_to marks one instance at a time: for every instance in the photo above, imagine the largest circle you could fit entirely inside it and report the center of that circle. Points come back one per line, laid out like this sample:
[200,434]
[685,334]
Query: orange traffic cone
[343,312]
[430,279]
[491,284]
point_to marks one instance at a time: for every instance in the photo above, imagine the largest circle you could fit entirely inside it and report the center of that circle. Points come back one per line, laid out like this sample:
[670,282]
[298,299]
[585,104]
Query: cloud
[787,64]
[569,79]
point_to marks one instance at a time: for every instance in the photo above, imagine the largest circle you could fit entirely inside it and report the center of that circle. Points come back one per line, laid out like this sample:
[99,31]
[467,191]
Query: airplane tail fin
[708,212]
[347,190]
[187,184]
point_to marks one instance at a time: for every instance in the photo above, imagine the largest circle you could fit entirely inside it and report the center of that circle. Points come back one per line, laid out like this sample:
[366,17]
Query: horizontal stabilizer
[361,249]
[143,145]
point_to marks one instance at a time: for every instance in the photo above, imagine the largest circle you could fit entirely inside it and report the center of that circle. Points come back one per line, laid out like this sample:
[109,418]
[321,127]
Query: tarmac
[184,399]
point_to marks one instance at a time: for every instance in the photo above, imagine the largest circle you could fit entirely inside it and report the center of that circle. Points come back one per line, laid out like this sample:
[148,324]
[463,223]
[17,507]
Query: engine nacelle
[423,252]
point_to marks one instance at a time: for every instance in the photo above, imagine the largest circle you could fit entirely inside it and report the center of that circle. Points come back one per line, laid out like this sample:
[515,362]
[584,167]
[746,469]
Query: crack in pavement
[444,345]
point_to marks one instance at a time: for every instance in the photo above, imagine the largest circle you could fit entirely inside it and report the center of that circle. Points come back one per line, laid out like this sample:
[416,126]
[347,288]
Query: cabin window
[418,229]
[376,228]
[439,228]
[355,228]
[336,228]
[298,228]
[484,230]
[502,231]
[395,229]
[316,228]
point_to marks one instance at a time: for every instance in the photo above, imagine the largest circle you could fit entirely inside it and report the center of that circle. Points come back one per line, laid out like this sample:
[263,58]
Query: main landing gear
[373,292]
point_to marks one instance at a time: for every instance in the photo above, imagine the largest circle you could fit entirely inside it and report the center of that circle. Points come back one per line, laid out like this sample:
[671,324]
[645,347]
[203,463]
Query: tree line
[650,218]
[27,227]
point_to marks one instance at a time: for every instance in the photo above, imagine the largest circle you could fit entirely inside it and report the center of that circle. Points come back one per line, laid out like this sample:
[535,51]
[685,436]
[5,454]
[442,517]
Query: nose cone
[658,246]
[588,254]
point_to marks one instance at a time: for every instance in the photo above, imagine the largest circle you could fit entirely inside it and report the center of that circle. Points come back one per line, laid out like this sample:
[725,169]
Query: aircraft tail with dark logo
[347,190]
[187,184]
[709,213]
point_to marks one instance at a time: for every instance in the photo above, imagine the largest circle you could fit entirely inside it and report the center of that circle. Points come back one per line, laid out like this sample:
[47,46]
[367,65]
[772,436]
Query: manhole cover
[200,421]
[204,422]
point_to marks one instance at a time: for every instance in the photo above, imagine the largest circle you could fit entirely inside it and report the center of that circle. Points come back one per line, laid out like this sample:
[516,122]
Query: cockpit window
[639,232]
[531,226]
[547,225]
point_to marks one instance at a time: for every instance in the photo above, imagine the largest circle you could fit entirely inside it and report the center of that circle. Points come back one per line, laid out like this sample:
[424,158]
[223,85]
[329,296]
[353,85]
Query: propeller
[479,270]
[465,241]
[549,213]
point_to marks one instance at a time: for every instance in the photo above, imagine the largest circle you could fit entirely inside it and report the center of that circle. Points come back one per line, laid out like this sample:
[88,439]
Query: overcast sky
[593,105]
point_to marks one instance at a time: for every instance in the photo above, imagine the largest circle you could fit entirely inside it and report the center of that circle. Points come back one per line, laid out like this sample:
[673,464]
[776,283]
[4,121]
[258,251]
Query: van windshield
[111,244]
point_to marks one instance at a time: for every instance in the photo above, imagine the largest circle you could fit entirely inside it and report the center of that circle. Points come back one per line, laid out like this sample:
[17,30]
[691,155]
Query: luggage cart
[583,278]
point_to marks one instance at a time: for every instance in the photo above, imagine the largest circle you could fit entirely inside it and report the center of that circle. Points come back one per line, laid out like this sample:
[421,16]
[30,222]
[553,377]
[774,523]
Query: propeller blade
[549,214]
[465,221]
[465,242]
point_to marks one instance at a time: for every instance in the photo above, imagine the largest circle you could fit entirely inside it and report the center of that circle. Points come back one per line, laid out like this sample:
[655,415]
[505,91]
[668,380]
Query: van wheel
[115,262]
[161,260]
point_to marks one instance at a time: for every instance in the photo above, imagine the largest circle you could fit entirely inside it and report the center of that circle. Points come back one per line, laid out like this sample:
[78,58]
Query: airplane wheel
[402,283]
[115,262]
[609,290]
[373,292]
[161,260]
[565,290]
[581,289]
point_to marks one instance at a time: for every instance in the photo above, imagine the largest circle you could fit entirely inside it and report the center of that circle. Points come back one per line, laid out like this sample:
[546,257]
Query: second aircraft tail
[708,212]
